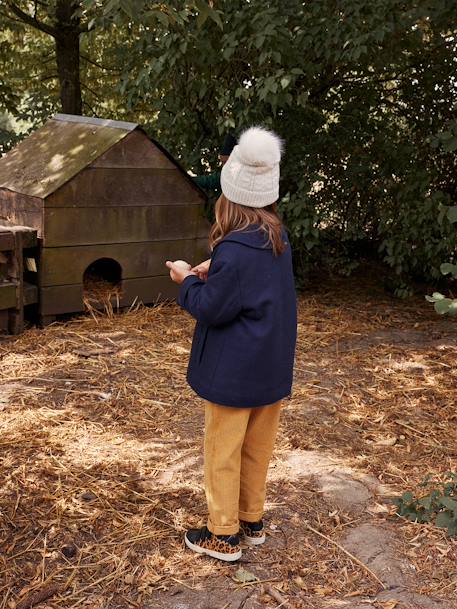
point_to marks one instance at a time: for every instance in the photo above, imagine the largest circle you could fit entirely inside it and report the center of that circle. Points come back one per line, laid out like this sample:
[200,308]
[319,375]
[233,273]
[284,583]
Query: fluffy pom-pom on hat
[251,175]
[258,146]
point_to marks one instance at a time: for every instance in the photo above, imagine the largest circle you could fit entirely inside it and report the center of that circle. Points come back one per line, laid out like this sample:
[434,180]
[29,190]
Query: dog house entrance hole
[102,276]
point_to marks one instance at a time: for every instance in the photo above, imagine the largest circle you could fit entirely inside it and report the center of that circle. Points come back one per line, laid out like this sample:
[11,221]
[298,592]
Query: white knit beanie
[251,174]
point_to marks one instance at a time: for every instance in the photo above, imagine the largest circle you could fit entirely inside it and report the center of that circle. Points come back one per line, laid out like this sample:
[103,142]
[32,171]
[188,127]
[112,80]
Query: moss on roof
[56,152]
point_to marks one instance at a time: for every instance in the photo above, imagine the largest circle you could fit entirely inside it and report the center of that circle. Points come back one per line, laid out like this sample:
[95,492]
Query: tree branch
[10,18]
[94,93]
[92,111]
[32,21]
[98,65]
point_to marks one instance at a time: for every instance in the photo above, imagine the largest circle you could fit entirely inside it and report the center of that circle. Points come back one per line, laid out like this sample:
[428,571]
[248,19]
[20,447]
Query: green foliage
[442,304]
[438,506]
[447,139]
[403,290]
[447,268]
[363,93]
[29,85]
[352,87]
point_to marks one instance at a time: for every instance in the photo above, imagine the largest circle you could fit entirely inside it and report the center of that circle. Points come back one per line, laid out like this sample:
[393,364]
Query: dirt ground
[101,464]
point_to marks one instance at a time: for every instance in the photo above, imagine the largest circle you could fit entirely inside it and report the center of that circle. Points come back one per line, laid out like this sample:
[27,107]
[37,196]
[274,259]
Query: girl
[242,353]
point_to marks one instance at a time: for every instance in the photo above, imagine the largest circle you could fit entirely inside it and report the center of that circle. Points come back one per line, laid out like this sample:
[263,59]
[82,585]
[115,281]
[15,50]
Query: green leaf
[450,504]
[450,145]
[111,7]
[259,41]
[426,502]
[445,520]
[447,267]
[201,19]
[214,15]
[243,576]
[203,12]
[442,306]
[128,7]
[162,17]
[452,214]
[407,497]
[452,528]
[446,136]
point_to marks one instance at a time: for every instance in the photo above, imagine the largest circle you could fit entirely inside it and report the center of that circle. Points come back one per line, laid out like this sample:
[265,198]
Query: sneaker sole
[254,541]
[213,553]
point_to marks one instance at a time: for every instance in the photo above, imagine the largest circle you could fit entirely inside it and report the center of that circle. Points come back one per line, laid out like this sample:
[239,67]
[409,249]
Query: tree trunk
[67,54]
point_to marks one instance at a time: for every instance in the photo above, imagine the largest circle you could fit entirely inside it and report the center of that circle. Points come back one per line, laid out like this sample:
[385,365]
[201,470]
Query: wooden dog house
[105,199]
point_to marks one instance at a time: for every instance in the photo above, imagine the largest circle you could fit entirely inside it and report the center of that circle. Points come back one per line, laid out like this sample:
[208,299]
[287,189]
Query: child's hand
[202,269]
[177,273]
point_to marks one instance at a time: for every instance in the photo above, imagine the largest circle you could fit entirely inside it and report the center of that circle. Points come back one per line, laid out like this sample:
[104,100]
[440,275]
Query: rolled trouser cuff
[250,516]
[231,529]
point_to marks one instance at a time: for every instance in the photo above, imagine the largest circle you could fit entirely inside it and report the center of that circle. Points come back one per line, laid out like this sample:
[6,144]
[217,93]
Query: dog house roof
[59,150]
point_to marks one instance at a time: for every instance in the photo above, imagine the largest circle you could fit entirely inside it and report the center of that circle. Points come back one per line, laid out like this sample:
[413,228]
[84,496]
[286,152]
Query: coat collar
[252,237]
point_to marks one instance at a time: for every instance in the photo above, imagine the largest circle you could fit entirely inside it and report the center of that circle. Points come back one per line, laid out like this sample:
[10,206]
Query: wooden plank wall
[66,265]
[66,298]
[132,205]
[124,187]
[68,226]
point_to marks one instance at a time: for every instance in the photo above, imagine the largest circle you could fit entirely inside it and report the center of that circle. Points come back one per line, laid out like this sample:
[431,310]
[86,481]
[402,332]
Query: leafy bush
[442,304]
[362,91]
[352,88]
[438,506]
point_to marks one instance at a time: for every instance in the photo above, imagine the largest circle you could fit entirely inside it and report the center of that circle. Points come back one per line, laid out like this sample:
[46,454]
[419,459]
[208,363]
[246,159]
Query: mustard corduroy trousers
[238,447]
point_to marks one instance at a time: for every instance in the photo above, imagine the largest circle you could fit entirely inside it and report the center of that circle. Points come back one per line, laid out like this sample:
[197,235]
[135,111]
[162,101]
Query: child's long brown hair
[234,217]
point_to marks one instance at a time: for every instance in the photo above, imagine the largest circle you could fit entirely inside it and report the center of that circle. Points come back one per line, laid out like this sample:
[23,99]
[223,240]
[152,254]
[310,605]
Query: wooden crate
[15,292]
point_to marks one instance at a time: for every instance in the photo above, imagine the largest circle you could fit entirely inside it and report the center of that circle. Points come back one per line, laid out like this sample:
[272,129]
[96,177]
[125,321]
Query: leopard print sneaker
[222,547]
[252,533]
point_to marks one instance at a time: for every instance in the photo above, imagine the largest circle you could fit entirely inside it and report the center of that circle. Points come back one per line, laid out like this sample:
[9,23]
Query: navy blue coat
[244,341]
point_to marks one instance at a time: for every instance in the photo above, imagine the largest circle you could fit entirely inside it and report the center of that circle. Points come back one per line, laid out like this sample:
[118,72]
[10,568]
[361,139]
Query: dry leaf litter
[101,463]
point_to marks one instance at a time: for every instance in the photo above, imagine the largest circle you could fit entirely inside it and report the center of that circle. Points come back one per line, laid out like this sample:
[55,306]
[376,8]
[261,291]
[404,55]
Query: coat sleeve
[209,182]
[216,301]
